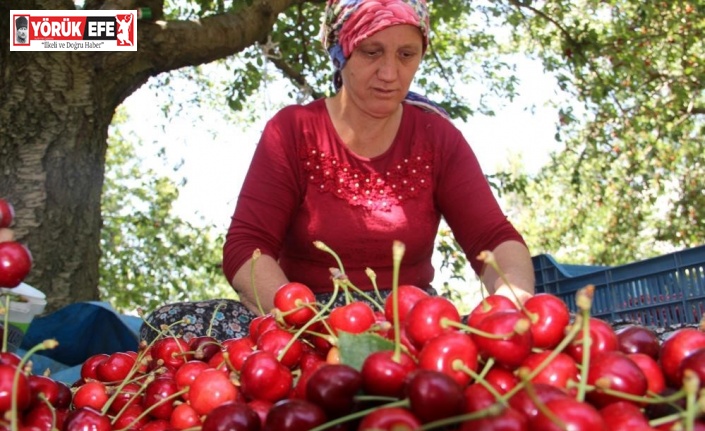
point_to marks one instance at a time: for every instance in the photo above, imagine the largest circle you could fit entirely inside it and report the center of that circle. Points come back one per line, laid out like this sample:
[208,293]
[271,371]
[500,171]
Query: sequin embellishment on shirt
[372,190]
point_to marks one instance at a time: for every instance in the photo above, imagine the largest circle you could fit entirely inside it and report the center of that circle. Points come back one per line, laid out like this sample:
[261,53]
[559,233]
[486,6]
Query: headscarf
[346,23]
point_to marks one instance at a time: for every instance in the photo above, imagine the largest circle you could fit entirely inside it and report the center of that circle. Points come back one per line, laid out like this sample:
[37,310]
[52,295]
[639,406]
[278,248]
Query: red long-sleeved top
[304,185]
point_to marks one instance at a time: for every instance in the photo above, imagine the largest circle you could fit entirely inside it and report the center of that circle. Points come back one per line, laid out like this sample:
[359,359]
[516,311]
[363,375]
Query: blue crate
[662,291]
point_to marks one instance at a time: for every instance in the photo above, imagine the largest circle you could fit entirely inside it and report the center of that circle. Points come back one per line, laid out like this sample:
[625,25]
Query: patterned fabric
[224,319]
[371,190]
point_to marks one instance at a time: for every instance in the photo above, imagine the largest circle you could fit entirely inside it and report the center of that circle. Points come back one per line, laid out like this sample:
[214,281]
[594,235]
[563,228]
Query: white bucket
[25,303]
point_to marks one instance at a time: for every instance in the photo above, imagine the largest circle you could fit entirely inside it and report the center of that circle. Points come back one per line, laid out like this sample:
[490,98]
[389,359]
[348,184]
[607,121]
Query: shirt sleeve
[269,195]
[467,202]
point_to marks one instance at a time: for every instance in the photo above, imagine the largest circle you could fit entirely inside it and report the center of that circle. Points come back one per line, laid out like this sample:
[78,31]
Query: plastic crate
[662,291]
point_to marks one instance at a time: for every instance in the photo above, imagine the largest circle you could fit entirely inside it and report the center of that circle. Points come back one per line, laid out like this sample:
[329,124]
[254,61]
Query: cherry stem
[488,257]
[215,313]
[491,411]
[398,249]
[6,322]
[359,414]
[146,411]
[584,303]
[322,246]
[540,405]
[460,366]
[44,345]
[373,279]
[348,284]
[445,323]
[691,384]
[255,255]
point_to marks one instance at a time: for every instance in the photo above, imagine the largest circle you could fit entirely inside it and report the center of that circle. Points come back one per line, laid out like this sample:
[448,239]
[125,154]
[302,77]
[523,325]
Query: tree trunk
[55,110]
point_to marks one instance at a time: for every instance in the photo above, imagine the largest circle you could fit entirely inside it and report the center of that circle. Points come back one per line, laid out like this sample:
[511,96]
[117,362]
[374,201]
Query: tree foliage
[149,254]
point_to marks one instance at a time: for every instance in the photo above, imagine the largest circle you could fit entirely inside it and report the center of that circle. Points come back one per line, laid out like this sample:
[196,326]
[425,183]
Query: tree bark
[55,111]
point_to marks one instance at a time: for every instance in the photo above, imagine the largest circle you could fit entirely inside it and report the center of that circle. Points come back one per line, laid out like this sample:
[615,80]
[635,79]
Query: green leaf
[354,348]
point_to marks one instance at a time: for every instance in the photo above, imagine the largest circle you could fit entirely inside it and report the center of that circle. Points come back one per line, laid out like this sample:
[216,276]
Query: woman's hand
[519,296]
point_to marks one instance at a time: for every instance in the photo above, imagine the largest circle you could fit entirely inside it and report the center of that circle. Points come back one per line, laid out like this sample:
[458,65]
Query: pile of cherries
[408,362]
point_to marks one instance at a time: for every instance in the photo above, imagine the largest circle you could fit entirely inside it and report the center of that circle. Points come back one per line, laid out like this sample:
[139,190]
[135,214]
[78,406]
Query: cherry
[128,394]
[434,395]
[130,418]
[238,350]
[561,370]
[260,324]
[15,263]
[549,317]
[159,397]
[89,368]
[429,318]
[619,373]
[210,389]
[478,397]
[679,345]
[294,414]
[10,358]
[408,295]
[204,347]
[624,416]
[7,213]
[86,418]
[264,377]
[44,418]
[511,339]
[296,303]
[602,338]
[696,363]
[389,419]
[501,379]
[156,425]
[43,387]
[354,318]
[93,394]
[184,417]
[333,388]
[64,396]
[489,305]
[275,340]
[651,369]
[446,352]
[232,416]
[116,367]
[525,402]
[262,408]
[508,419]
[171,352]
[573,414]
[7,389]
[384,375]
[638,339]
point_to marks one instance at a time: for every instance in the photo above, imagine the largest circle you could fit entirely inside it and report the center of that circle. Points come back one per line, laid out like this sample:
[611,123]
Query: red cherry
[651,369]
[93,394]
[116,367]
[296,303]
[333,388]
[294,414]
[131,418]
[264,377]
[525,402]
[41,417]
[232,416]
[187,373]
[695,362]
[7,388]
[238,350]
[574,414]
[477,397]
[624,416]
[7,213]
[15,263]
[429,318]
[447,352]
[602,337]
[550,317]
[434,395]
[87,418]
[156,425]
[260,324]
[184,417]
[511,339]
[43,388]
[501,379]
[408,295]
[508,419]
[9,358]
[131,393]
[159,397]
[489,305]
[638,339]
[389,419]
[204,347]
[275,340]
[210,389]
[559,371]
[619,373]
[171,352]
[679,345]
[354,318]
[384,375]
[89,368]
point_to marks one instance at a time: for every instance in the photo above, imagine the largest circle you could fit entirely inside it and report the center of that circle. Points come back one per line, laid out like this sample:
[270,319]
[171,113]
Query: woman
[370,165]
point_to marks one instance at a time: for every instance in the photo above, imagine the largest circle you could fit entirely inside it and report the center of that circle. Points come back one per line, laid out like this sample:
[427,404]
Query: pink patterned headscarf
[346,23]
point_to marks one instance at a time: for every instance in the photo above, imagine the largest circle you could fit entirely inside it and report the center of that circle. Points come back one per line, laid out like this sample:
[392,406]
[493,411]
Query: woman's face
[379,72]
